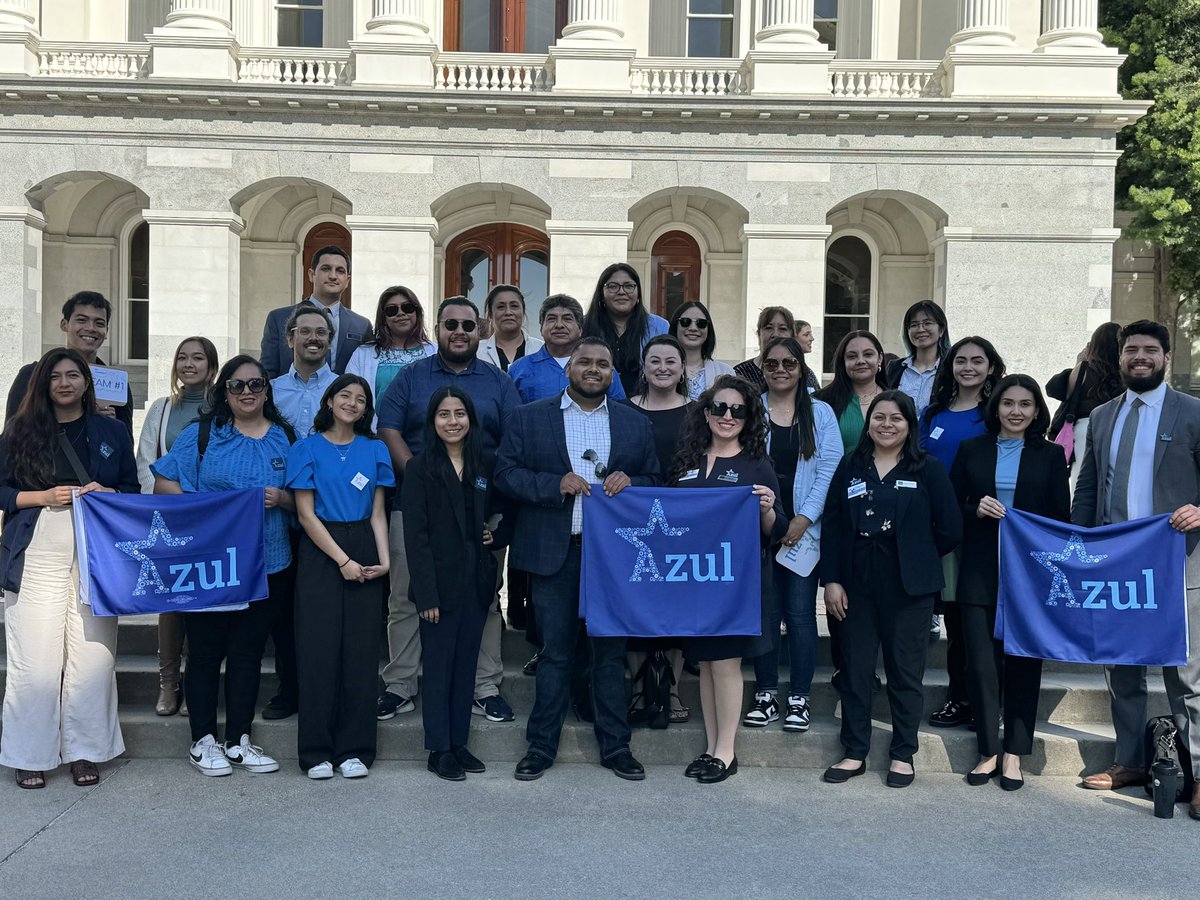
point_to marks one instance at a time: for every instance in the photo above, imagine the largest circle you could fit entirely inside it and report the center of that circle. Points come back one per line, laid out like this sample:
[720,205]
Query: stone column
[788,58]
[593,20]
[18,37]
[1069,26]
[195,285]
[983,25]
[775,255]
[788,22]
[592,56]
[196,42]
[21,298]
[579,252]
[397,50]
[392,250]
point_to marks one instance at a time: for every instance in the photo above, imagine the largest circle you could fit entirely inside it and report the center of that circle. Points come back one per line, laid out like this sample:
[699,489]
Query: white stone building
[843,157]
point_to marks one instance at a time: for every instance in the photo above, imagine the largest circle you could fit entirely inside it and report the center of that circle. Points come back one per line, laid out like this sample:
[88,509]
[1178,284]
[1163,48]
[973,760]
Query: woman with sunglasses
[60,700]
[241,441]
[619,318]
[890,517]
[724,445]
[692,327]
[339,476]
[504,310]
[773,322]
[192,374]
[398,340]
[926,336]
[805,447]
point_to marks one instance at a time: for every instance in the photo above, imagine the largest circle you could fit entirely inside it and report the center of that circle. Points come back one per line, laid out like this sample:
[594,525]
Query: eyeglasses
[718,410]
[620,287]
[687,322]
[467,325]
[592,456]
[393,309]
[239,386]
[927,324]
[306,332]
[789,364]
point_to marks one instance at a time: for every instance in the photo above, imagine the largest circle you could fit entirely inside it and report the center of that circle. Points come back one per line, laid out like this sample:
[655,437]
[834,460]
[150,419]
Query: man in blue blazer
[554,451]
[330,276]
[1143,459]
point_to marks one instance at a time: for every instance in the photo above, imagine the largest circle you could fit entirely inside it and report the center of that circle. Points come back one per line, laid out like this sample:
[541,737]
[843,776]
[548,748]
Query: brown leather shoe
[1194,806]
[1114,778]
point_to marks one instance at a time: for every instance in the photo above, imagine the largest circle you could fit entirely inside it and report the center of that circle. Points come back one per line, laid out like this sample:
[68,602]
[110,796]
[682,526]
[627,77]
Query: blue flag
[1112,595]
[170,552]
[671,562]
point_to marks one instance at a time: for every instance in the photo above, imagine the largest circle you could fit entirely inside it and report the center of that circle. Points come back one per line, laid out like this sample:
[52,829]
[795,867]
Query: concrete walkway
[155,829]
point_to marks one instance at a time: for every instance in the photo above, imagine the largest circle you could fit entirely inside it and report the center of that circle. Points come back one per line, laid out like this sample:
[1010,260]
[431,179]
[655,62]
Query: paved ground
[154,829]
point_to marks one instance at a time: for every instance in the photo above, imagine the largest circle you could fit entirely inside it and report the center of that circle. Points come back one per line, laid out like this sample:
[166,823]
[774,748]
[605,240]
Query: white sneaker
[764,711]
[321,771]
[935,625]
[249,757]
[208,758]
[353,768]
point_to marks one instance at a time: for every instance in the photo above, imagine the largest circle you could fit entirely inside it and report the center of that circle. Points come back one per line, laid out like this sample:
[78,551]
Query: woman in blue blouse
[241,441]
[339,475]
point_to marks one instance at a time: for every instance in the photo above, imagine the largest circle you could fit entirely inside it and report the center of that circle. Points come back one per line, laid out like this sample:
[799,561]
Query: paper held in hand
[802,558]
[112,385]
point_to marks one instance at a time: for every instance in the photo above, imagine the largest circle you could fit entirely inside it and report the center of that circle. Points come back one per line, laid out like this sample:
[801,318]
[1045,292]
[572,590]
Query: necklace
[342,450]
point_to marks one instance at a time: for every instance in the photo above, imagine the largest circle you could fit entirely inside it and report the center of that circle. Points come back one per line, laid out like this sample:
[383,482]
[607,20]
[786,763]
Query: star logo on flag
[645,559]
[1061,587]
[149,573]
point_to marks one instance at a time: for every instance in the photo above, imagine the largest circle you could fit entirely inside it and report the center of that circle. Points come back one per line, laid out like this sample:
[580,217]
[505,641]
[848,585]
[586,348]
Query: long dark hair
[323,420]
[938,315]
[217,410]
[1041,419]
[945,385]
[32,433]
[381,338]
[598,323]
[839,392]
[697,436]
[710,337]
[802,418]
[1103,362]
[911,453]
[210,355]
[438,466]
[661,340]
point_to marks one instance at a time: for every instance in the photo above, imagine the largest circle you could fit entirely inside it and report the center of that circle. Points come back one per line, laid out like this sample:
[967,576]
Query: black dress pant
[450,651]
[881,614]
[283,636]
[337,647]
[237,638]
[989,673]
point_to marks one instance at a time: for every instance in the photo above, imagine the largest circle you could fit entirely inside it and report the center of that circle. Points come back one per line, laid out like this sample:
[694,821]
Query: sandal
[84,773]
[680,714]
[29,780]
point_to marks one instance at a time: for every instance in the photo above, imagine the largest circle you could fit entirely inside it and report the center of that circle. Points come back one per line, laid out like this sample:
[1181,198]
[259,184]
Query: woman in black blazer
[890,516]
[453,579]
[1012,465]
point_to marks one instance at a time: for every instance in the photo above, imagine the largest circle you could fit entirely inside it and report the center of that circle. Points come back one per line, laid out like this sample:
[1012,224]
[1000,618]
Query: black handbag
[1163,742]
[651,705]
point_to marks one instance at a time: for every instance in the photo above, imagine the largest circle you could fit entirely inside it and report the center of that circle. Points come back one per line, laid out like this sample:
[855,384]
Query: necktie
[1119,505]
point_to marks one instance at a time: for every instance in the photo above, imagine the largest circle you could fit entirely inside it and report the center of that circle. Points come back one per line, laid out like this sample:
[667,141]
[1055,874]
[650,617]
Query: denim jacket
[813,475]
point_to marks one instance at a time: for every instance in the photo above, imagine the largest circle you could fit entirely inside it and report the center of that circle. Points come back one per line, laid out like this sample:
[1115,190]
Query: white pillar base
[591,67]
[775,255]
[18,53]
[386,61]
[970,74]
[580,251]
[393,250]
[789,72]
[185,54]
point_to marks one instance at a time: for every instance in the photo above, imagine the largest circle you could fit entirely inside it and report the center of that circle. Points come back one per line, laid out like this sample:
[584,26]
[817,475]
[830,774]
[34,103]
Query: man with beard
[1141,460]
[402,411]
[297,393]
[553,452]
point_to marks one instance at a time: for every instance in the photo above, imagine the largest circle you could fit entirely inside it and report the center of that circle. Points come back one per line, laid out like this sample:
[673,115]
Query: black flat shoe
[444,764]
[717,771]
[468,760]
[834,775]
[900,779]
[530,668]
[697,766]
[623,765]
[1011,784]
[532,767]
[977,779]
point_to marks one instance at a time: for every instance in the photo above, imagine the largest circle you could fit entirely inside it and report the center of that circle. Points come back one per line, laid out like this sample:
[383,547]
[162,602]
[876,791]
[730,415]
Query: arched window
[326,234]
[674,272]
[137,295]
[847,292]
[503,26]
[501,253]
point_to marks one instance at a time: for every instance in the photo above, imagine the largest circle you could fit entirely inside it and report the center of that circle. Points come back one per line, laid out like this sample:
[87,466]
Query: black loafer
[1011,784]
[468,760]
[717,771]
[697,766]
[444,764]
[834,775]
[532,767]
[530,668]
[625,766]
[900,779]
[978,779]
[278,708]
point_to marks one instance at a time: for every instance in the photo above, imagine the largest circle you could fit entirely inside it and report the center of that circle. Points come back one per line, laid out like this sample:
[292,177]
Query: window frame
[323,7]
[871,315]
[508,24]
[504,243]
[730,17]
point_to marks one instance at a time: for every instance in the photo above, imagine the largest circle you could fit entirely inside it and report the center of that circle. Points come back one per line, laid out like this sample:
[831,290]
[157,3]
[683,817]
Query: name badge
[1165,438]
[360,481]
[730,477]
[936,433]
[906,484]
[480,483]
[279,464]
[857,489]
[690,474]
[106,451]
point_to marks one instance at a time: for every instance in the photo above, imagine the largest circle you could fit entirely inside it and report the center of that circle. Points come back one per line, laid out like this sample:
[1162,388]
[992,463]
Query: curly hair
[696,437]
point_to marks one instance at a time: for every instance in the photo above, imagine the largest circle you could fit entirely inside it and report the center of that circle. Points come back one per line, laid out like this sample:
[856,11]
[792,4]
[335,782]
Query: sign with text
[112,385]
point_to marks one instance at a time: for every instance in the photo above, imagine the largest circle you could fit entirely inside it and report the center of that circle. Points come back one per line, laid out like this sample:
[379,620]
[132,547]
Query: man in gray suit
[1143,459]
[330,276]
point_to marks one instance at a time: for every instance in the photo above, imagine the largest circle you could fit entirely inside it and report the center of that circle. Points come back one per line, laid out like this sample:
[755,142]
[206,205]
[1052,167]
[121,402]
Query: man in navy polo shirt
[402,412]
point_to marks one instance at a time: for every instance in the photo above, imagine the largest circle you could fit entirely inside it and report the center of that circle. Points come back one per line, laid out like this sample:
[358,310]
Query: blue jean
[792,599]
[556,600]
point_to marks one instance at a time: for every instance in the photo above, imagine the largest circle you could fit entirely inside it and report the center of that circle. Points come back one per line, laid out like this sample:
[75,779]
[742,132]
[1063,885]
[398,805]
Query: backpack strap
[202,442]
[73,458]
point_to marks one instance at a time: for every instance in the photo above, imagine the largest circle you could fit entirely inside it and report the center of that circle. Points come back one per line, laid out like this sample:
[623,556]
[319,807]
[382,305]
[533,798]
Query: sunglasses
[593,457]
[737,410]
[686,322]
[239,386]
[790,364]
[467,325]
[393,309]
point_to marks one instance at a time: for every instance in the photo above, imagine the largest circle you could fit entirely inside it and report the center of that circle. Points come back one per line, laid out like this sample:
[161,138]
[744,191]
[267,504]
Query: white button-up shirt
[585,431]
[1140,494]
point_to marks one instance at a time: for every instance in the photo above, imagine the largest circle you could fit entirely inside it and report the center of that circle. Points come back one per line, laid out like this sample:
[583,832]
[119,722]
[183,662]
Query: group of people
[899,470]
